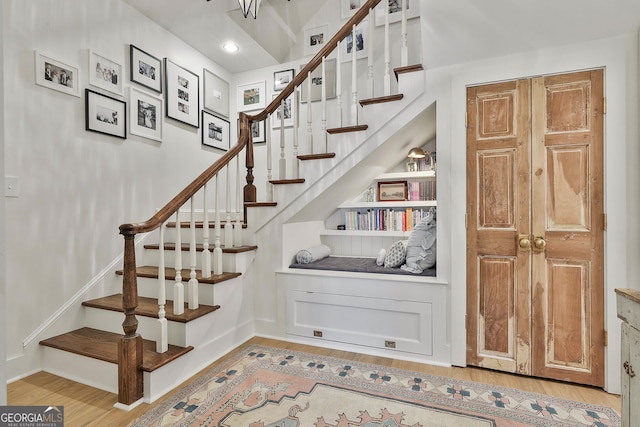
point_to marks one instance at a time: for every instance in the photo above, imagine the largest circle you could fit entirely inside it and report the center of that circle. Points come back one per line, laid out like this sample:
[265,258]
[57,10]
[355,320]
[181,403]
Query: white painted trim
[78,295]
[128,408]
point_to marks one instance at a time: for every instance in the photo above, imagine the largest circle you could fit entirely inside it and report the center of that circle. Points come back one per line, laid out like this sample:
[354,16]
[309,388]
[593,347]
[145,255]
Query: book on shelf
[422,190]
[378,219]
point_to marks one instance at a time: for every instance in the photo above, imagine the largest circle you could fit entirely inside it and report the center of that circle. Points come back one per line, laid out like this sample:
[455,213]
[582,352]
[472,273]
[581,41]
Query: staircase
[98,354]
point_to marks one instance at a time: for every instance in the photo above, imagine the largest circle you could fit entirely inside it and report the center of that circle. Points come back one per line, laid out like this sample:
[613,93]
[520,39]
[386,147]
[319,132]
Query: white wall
[77,187]
[3,302]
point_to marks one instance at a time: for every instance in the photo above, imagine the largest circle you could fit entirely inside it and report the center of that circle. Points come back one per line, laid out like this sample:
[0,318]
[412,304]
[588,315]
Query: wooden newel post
[130,379]
[245,129]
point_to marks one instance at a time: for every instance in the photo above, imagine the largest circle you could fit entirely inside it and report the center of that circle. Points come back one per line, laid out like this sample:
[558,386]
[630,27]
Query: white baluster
[309,117]
[228,227]
[354,80]
[339,84]
[178,287]
[267,126]
[282,164]
[370,55]
[162,343]
[387,53]
[295,111]
[192,289]
[217,250]
[404,51]
[324,106]
[237,227]
[206,253]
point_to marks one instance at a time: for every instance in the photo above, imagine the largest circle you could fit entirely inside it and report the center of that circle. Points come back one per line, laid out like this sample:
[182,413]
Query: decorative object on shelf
[146,114]
[317,83]
[105,73]
[362,38]
[251,96]
[392,191]
[315,38]
[414,153]
[56,75]
[215,131]
[146,69]
[281,79]
[349,7]
[395,11]
[277,120]
[216,94]
[104,114]
[182,94]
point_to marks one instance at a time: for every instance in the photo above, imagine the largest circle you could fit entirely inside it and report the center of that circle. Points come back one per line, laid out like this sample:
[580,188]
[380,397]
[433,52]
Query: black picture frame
[145,69]
[282,78]
[215,131]
[104,114]
[182,94]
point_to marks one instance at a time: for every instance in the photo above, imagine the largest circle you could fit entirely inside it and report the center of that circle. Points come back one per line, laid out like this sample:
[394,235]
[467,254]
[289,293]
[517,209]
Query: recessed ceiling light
[230,47]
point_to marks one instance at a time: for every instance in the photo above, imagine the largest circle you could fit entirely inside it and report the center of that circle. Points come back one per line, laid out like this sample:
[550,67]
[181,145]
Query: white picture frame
[348,8]
[105,73]
[182,94]
[215,131]
[56,75]
[315,39]
[317,83]
[362,38]
[216,93]
[251,96]
[395,11]
[145,118]
[288,114]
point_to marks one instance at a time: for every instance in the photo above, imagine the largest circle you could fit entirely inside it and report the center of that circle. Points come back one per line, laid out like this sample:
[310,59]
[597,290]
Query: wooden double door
[535,221]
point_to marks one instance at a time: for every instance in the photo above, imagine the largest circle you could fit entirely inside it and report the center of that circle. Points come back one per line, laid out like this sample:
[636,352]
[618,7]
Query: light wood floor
[88,406]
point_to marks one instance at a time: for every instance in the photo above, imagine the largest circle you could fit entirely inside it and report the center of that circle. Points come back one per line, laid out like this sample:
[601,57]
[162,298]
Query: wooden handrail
[130,385]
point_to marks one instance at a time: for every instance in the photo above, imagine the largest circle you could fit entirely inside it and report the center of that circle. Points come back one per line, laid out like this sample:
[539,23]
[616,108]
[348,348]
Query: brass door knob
[539,243]
[524,244]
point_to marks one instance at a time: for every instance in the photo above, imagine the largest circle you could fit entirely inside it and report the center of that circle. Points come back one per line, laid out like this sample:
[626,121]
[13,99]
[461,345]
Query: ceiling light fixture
[230,47]
[250,7]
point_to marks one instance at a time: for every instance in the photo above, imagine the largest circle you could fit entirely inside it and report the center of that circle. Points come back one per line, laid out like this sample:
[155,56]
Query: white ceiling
[456,30]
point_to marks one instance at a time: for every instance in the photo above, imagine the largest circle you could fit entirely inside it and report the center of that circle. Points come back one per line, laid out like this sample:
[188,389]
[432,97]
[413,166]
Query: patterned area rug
[270,387]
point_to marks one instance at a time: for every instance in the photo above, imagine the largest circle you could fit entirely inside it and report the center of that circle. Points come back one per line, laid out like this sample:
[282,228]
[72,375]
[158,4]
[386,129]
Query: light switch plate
[11,187]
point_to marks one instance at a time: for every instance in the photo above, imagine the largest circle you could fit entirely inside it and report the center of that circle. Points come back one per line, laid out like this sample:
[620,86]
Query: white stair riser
[231,263]
[185,236]
[206,292]
[85,370]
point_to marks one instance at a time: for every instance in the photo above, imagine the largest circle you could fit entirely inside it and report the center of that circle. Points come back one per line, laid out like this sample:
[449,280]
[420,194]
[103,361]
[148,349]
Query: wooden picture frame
[145,118]
[182,94]
[57,75]
[395,11]
[282,78]
[215,131]
[317,83]
[105,73]
[251,96]
[216,93]
[145,69]
[104,114]
[315,39]
[392,191]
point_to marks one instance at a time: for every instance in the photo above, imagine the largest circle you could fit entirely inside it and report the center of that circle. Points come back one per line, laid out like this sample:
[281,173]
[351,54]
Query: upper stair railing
[198,193]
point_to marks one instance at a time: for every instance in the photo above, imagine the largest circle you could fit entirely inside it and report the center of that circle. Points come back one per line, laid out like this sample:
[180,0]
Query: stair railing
[130,378]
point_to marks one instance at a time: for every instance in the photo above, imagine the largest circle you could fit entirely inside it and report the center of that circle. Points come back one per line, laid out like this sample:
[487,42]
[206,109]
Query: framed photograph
[317,83]
[349,7]
[281,79]
[251,96]
[216,94]
[215,131]
[105,73]
[146,114]
[276,118]
[362,33]
[315,38]
[395,10]
[392,191]
[257,132]
[56,75]
[182,94]
[146,70]
[104,114]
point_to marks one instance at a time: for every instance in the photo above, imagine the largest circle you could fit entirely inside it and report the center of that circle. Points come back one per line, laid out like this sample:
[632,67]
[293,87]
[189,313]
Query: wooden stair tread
[316,156]
[287,181]
[381,99]
[407,69]
[200,248]
[148,307]
[346,129]
[199,224]
[259,204]
[103,345]
[151,272]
